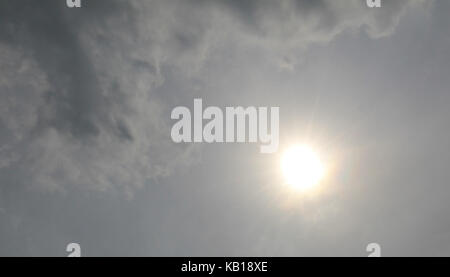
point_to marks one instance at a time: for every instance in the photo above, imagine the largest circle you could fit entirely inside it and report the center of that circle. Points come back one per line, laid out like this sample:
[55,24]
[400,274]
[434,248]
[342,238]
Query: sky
[85,119]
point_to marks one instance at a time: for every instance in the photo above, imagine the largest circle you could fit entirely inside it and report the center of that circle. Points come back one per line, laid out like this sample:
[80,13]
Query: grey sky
[85,148]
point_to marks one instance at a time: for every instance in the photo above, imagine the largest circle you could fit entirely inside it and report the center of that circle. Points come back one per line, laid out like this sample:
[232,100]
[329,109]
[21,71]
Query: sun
[301,167]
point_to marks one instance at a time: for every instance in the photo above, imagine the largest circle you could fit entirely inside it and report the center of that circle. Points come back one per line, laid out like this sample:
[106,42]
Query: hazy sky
[85,148]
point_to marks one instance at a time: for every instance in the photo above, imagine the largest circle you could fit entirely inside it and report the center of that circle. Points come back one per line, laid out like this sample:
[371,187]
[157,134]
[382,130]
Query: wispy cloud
[79,106]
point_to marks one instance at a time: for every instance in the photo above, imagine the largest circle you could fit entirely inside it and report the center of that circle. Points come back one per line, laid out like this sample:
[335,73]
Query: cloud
[79,103]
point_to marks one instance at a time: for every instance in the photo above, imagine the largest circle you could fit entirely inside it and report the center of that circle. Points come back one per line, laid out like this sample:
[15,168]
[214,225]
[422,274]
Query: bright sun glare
[302,167]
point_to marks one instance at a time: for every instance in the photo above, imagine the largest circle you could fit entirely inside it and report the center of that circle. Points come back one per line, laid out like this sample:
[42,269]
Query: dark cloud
[71,101]
[43,31]
[86,82]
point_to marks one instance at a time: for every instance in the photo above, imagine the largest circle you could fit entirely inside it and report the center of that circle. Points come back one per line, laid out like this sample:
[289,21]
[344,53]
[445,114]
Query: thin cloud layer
[80,106]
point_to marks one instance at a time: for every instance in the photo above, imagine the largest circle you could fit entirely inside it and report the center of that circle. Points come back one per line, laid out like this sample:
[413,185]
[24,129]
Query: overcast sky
[85,148]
